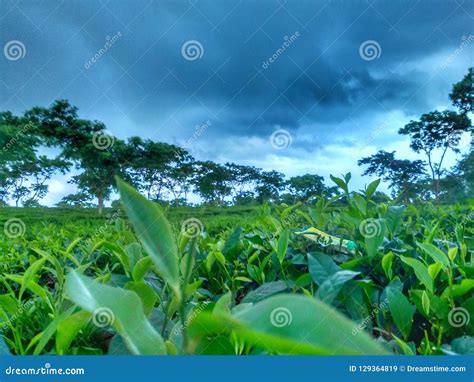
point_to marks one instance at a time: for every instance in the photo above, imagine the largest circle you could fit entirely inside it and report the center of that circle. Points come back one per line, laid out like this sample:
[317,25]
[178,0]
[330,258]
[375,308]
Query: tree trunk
[100,200]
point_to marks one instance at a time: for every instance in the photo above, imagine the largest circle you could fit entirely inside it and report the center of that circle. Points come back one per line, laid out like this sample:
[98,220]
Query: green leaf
[123,308]
[146,293]
[433,269]
[264,291]
[401,310]
[289,324]
[371,188]
[321,267]
[340,182]
[154,232]
[407,350]
[393,218]
[331,287]
[460,289]
[282,245]
[373,231]
[435,253]
[141,268]
[68,328]
[421,271]
[425,301]
[460,346]
[387,262]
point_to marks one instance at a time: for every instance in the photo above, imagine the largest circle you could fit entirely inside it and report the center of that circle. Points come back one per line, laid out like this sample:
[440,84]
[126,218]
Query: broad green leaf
[340,182]
[393,218]
[458,290]
[373,231]
[425,300]
[331,287]
[401,310]
[433,269]
[407,350]
[264,291]
[420,270]
[141,268]
[43,338]
[154,232]
[387,262]
[321,267]
[30,275]
[146,293]
[68,329]
[371,188]
[282,245]
[435,253]
[289,324]
[123,308]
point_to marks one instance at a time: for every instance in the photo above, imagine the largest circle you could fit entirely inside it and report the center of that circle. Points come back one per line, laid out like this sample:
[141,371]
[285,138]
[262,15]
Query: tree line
[168,173]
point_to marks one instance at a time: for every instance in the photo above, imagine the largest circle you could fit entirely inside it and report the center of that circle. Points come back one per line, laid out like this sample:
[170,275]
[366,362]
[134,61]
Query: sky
[296,86]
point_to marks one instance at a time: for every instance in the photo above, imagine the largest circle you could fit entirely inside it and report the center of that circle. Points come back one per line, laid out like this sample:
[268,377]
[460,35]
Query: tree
[212,181]
[402,174]
[304,186]
[436,131]
[462,95]
[242,181]
[269,185]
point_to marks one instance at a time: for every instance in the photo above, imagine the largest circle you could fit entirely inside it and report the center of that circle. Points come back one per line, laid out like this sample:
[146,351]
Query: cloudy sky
[296,86]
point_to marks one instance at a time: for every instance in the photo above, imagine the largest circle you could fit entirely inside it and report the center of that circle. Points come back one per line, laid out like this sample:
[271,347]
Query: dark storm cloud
[143,85]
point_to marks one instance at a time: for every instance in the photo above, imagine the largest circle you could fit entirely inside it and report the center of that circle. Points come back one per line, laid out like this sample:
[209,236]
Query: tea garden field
[340,276]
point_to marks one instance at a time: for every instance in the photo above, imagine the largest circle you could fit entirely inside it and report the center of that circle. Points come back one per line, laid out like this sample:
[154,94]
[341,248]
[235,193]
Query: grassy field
[377,278]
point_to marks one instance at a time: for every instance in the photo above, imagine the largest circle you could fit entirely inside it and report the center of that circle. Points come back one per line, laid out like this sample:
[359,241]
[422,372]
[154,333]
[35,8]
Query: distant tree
[269,185]
[462,94]
[212,181]
[436,131]
[76,200]
[305,186]
[402,174]
[242,180]
[180,176]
